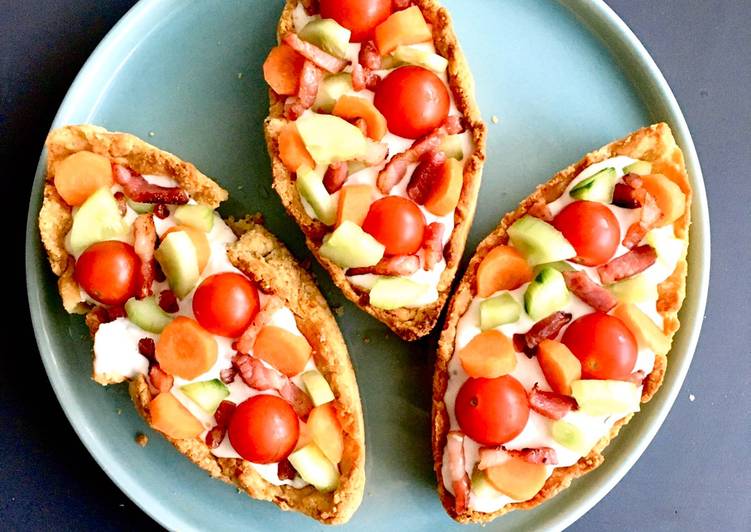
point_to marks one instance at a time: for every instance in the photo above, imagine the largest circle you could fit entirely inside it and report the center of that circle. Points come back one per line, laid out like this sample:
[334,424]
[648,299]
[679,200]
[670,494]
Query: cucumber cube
[539,241]
[147,314]
[498,311]
[206,394]
[199,217]
[318,389]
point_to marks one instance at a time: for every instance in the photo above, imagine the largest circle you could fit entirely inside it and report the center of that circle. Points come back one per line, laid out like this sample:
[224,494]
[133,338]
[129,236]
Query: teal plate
[562,78]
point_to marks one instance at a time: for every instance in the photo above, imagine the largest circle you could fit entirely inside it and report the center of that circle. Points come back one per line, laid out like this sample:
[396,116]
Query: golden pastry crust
[261,257]
[408,323]
[654,144]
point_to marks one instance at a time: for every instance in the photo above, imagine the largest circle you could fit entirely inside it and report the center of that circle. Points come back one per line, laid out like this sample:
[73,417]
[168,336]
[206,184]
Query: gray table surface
[696,474]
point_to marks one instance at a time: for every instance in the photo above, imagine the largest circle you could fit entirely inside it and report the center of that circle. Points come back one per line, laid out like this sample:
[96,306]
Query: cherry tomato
[108,271]
[397,223]
[492,411]
[591,228]
[413,100]
[264,429]
[603,344]
[226,303]
[359,16]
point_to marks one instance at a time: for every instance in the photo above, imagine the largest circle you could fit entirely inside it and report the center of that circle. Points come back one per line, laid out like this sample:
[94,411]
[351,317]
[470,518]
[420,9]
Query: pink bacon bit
[222,416]
[539,209]
[649,216]
[368,60]
[298,399]
[285,470]
[122,204]
[459,478]
[627,265]
[138,189]
[425,175]
[432,245]
[358,76]
[147,348]
[335,176]
[493,456]
[396,168]
[394,265]
[369,56]
[244,344]
[398,5]
[628,197]
[161,211]
[310,78]
[168,301]
[160,380]
[314,54]
[545,329]
[637,377]
[589,291]
[550,404]
[144,242]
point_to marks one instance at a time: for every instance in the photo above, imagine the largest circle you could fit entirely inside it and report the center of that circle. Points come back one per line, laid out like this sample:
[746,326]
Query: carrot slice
[327,432]
[286,351]
[81,174]
[504,268]
[444,196]
[292,150]
[353,107]
[200,241]
[185,348]
[517,478]
[354,203]
[169,416]
[673,172]
[490,354]
[559,365]
[403,27]
[282,69]
[668,195]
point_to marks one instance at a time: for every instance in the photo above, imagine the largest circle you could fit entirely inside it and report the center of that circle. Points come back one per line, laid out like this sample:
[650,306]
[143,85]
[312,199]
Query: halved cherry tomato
[603,344]
[264,429]
[397,223]
[592,229]
[359,16]
[492,411]
[226,304]
[414,101]
[108,272]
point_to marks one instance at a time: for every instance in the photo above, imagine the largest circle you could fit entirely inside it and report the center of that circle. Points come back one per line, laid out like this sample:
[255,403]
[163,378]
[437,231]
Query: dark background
[695,475]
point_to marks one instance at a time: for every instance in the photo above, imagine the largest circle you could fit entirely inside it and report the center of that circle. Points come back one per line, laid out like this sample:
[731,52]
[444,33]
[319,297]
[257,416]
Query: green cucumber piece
[561,266]
[315,468]
[634,290]
[328,35]
[598,187]
[603,397]
[351,247]
[199,217]
[498,311]
[571,437]
[206,394]
[310,186]
[389,293]
[331,89]
[329,138]
[453,147]
[481,486]
[405,54]
[638,168]
[547,293]
[539,241]
[318,389]
[97,220]
[140,208]
[147,314]
[179,261]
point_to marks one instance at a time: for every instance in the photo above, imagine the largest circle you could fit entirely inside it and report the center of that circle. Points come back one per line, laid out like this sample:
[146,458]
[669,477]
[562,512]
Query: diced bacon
[116,311]
[369,56]
[285,470]
[314,54]
[293,108]
[394,265]
[375,154]
[144,242]
[550,404]
[432,245]
[138,189]
[160,380]
[649,216]
[122,204]
[372,80]
[425,175]
[158,273]
[396,168]
[627,196]
[539,209]
[244,344]
[629,264]
[227,375]
[335,176]
[310,78]
[633,180]
[161,211]
[298,399]
[222,416]
[168,301]
[256,375]
[358,76]
[367,61]
[459,478]
[545,329]
[637,377]
[398,5]
[589,291]
[492,456]
[147,348]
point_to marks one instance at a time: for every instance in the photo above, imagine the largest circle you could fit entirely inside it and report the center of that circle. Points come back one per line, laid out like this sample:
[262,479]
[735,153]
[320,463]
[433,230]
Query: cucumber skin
[206,394]
[549,279]
[147,314]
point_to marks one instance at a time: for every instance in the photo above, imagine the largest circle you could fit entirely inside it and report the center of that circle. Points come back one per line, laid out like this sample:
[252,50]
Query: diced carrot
[444,196]
[282,69]
[559,365]
[490,354]
[504,268]
[81,174]
[286,351]
[669,197]
[403,27]
[353,107]
[292,150]
[200,241]
[354,203]
[327,432]
[517,478]
[185,348]
[672,171]
[170,417]
[646,332]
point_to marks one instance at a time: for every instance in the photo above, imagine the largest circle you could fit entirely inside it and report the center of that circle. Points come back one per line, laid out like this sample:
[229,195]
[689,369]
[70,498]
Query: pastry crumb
[239,75]
[142,439]
[366,339]
[691,397]
[494,119]
[339,310]
[152,133]
[119,411]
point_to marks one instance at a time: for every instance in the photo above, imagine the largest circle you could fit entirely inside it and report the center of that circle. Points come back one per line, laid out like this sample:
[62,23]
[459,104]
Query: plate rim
[603,23]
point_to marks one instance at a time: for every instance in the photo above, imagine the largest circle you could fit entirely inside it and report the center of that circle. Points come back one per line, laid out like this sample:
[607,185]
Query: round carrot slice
[81,174]
[186,349]
[503,268]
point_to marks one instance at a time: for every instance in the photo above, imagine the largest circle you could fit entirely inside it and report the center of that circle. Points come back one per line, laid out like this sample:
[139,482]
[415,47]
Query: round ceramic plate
[561,78]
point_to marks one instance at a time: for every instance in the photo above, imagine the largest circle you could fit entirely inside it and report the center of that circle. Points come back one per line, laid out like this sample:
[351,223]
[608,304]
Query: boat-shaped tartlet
[561,327]
[230,349]
[376,147]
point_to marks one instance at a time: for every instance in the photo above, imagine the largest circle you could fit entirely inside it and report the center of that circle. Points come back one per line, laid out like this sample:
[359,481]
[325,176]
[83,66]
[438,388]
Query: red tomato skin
[413,100]
[492,411]
[359,16]
[264,429]
[603,344]
[592,229]
[226,304]
[108,271]
[397,223]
